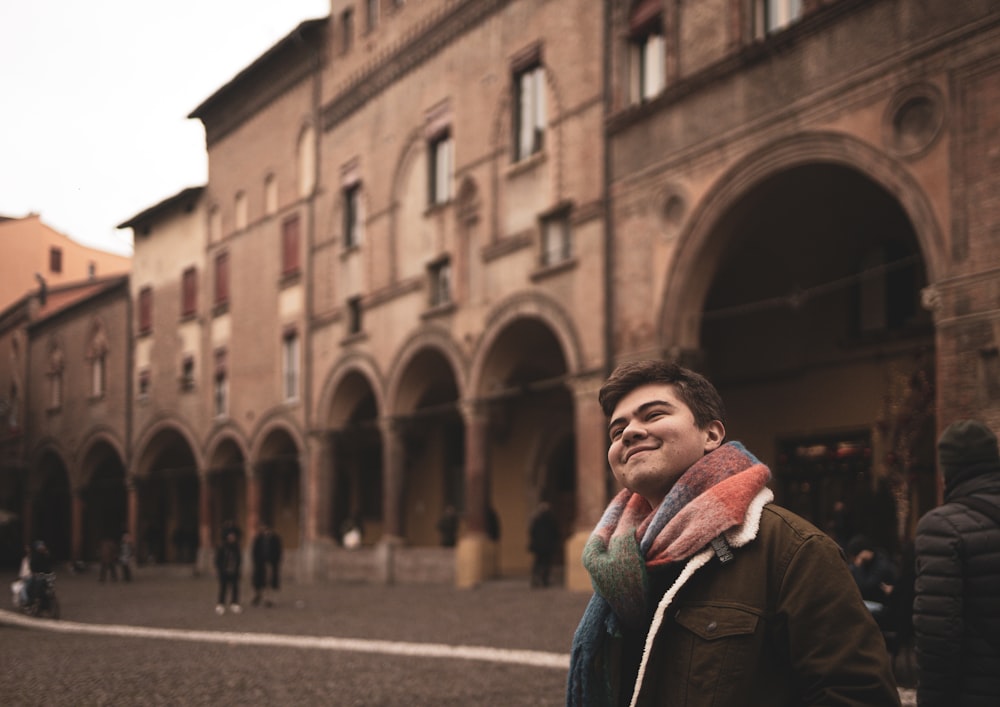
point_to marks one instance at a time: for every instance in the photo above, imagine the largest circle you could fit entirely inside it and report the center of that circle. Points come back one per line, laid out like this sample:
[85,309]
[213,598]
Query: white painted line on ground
[538,659]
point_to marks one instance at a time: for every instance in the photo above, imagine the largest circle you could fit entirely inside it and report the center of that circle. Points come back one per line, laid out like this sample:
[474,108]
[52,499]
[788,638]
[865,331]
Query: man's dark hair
[694,390]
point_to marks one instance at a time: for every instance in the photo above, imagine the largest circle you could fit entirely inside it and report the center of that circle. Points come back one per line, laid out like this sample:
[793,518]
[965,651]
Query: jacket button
[712,625]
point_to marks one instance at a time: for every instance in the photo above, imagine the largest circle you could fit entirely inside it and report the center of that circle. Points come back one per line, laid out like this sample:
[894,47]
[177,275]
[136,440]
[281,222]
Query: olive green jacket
[780,623]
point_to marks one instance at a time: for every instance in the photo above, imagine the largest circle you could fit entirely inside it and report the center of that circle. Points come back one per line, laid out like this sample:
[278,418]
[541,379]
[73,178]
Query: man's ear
[715,433]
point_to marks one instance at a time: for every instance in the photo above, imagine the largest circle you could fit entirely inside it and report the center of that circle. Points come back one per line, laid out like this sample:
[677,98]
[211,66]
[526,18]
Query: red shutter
[222,278]
[189,295]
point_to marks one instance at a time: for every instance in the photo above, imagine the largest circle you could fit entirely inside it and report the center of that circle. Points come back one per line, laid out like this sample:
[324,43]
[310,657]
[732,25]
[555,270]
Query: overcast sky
[95,97]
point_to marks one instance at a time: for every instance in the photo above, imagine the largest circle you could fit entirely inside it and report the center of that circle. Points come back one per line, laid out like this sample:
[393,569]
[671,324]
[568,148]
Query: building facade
[431,229]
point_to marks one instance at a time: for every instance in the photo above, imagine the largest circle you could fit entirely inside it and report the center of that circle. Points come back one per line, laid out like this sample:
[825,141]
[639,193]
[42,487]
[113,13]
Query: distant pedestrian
[228,559]
[956,615]
[109,560]
[447,527]
[266,555]
[126,556]
[543,543]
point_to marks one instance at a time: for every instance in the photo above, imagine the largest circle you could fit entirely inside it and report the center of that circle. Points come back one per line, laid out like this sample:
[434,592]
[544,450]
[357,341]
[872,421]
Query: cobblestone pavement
[56,668]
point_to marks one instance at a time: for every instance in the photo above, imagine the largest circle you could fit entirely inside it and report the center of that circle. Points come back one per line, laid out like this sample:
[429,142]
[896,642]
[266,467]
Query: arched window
[270,195]
[307,161]
[242,210]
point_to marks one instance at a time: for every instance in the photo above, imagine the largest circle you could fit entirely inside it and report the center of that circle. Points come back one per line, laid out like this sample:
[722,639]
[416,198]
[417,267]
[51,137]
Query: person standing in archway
[228,559]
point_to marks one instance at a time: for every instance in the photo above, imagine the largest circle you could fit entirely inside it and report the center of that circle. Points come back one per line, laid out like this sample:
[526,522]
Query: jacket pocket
[712,623]
[714,651]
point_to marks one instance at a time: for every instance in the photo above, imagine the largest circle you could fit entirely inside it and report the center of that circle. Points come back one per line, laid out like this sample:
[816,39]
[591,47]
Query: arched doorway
[169,497]
[227,490]
[524,388]
[279,473]
[104,499]
[434,446]
[811,320]
[52,512]
[356,448]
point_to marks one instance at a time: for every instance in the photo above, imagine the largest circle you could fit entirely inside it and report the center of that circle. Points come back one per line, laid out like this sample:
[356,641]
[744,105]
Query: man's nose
[632,432]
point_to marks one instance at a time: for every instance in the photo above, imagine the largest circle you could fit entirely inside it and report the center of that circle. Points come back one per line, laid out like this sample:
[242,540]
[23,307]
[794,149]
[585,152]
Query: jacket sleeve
[937,608]
[834,644]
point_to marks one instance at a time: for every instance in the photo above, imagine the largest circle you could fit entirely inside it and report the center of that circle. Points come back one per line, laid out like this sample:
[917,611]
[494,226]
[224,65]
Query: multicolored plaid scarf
[708,499]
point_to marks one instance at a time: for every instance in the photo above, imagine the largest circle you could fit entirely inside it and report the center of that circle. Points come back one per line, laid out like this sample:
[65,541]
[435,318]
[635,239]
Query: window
[270,195]
[187,372]
[347,28]
[55,389]
[145,383]
[647,51]
[439,274]
[352,215]
[220,392]
[215,225]
[91,270]
[354,315]
[290,364]
[241,210]
[189,292]
[222,279]
[557,245]
[441,161]
[146,310]
[307,161]
[529,111]
[55,259]
[773,15]
[371,14]
[290,246]
[98,375]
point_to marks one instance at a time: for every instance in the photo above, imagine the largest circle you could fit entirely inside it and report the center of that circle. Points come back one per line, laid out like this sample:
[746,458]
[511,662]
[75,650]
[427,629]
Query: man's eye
[616,433]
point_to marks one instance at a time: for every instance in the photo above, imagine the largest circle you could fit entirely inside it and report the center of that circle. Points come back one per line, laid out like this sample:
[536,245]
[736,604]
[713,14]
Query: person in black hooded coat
[956,608]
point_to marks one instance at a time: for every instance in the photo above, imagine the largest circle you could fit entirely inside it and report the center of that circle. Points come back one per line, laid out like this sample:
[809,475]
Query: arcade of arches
[808,302]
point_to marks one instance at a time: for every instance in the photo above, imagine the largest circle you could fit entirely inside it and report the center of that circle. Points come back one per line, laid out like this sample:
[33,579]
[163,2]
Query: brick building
[63,445]
[431,229]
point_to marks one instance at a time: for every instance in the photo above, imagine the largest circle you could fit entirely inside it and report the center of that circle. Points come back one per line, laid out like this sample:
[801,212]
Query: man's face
[654,439]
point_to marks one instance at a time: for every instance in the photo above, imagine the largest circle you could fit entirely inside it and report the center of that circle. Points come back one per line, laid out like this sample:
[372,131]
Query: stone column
[253,499]
[203,559]
[132,511]
[78,508]
[474,559]
[393,462]
[591,434]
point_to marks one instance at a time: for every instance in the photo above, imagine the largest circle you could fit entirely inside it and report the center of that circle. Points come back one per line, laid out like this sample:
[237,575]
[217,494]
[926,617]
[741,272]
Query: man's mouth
[636,450]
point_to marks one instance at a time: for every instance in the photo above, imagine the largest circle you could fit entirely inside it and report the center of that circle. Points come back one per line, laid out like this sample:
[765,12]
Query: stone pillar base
[475,560]
[385,559]
[577,578]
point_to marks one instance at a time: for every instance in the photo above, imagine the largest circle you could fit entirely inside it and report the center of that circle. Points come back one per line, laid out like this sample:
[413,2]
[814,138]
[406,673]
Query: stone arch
[352,364]
[154,429]
[532,305]
[697,255]
[276,421]
[226,434]
[99,436]
[427,337]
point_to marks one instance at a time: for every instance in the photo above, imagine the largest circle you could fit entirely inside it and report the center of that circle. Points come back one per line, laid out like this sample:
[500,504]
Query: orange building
[30,250]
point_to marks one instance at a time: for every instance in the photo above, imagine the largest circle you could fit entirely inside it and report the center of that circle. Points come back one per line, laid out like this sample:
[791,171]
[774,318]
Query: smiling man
[705,593]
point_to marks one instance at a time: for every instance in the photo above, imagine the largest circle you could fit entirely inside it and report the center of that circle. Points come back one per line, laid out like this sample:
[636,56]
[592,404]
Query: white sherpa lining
[739,536]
